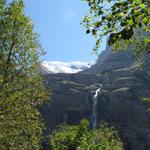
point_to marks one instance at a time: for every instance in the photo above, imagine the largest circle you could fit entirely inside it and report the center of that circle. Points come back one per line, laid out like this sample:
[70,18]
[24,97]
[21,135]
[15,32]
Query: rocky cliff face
[119,103]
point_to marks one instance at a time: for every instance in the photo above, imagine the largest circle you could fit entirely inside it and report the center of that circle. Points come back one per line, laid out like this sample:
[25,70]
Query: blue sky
[58,24]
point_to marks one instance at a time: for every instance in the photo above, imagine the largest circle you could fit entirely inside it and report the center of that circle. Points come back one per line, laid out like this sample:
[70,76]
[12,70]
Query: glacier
[65,67]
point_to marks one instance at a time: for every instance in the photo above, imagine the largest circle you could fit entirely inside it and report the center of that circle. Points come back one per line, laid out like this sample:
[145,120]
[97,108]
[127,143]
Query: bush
[79,137]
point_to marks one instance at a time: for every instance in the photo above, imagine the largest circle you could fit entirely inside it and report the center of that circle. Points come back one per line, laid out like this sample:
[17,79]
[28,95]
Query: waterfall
[94,107]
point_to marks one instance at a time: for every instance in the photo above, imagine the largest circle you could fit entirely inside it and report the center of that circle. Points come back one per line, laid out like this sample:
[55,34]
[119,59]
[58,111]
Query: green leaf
[137,1]
[88,31]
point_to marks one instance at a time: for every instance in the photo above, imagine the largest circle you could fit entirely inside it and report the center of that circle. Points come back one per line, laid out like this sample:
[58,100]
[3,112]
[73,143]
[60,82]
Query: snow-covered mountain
[64,67]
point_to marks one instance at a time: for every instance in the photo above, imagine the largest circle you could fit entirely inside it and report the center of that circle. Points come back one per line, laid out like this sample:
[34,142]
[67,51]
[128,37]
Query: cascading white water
[94,107]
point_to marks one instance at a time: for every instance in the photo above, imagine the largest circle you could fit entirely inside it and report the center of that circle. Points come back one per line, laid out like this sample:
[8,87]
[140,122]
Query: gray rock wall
[119,104]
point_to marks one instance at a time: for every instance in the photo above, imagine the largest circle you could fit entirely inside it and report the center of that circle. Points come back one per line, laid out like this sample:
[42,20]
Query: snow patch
[65,67]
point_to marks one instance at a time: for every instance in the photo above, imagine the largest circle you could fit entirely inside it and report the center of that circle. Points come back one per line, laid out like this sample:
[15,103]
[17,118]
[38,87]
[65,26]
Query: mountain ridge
[119,103]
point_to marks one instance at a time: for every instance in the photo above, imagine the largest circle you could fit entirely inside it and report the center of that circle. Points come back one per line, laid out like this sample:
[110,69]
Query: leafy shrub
[79,137]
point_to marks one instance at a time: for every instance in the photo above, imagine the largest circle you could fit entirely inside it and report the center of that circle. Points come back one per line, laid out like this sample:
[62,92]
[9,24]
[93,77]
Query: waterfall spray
[94,107]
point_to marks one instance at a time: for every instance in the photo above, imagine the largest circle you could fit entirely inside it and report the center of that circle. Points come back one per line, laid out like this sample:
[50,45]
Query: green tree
[21,85]
[121,20]
[81,138]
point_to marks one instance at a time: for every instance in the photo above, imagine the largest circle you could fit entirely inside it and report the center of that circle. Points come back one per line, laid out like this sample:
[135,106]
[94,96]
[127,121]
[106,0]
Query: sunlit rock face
[119,103]
[54,67]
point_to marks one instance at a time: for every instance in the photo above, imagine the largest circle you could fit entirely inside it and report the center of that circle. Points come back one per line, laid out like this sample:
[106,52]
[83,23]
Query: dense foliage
[21,86]
[120,20]
[81,138]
